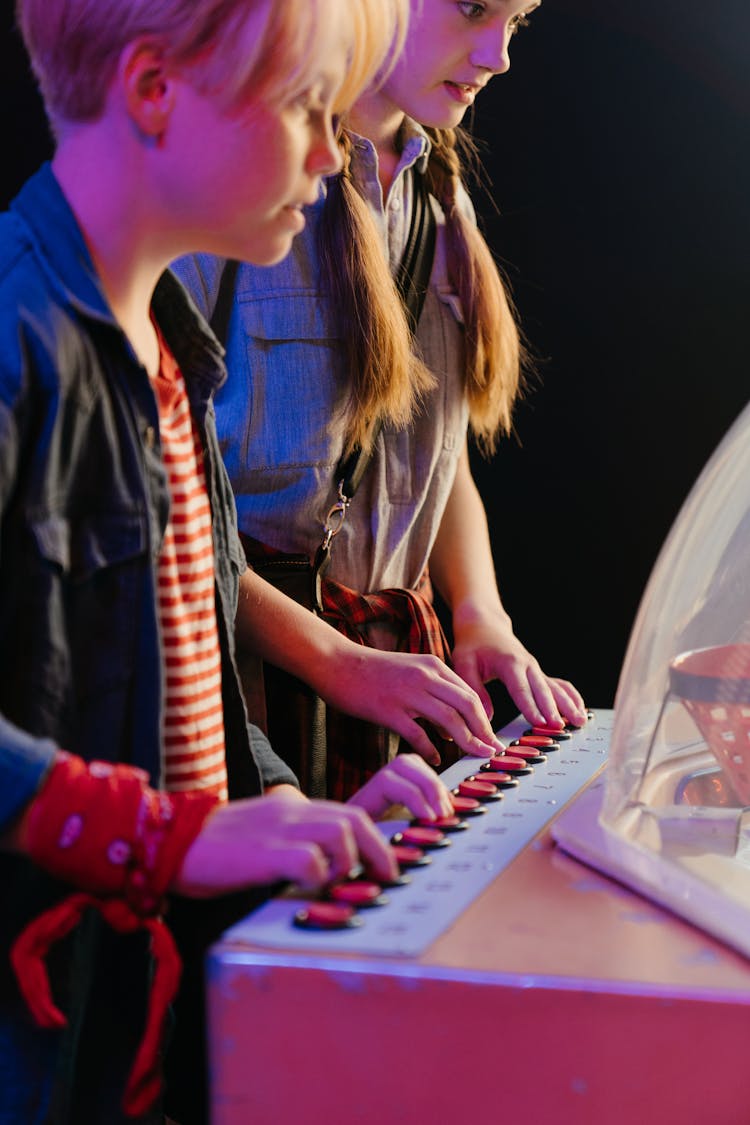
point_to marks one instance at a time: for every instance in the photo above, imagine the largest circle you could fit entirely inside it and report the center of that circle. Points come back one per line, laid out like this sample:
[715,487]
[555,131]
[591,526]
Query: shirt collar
[416,146]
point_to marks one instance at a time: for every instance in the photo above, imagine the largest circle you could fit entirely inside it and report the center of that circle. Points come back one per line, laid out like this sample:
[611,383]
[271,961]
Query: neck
[376,118]
[127,247]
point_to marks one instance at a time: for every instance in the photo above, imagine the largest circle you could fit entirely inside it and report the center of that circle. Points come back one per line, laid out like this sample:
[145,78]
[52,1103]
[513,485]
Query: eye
[302,101]
[470,10]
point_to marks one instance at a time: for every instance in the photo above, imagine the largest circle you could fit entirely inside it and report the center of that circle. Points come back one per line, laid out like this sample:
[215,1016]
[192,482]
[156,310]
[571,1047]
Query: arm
[391,689]
[485,646]
[186,842]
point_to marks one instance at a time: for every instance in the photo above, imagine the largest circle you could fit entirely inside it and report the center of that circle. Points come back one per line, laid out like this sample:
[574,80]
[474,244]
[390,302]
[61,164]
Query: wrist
[470,614]
[100,827]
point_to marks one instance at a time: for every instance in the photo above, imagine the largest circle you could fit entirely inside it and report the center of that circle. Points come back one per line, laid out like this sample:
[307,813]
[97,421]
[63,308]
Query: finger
[444,715]
[433,792]
[469,673]
[302,863]
[328,826]
[569,700]
[375,853]
[452,706]
[544,700]
[417,738]
[520,692]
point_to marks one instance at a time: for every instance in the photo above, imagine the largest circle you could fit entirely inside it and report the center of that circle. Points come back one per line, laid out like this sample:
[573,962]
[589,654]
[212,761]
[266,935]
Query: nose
[492,47]
[325,155]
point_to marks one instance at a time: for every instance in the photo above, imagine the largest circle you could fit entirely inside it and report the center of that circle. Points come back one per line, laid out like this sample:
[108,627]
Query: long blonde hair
[495,355]
[386,380]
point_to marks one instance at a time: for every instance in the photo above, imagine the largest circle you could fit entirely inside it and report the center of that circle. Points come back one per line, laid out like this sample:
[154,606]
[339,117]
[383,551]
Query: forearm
[461,564]
[288,635]
[393,690]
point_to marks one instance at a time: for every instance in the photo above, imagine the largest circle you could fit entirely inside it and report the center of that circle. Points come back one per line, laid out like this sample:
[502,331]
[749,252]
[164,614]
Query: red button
[444,823]
[549,732]
[528,753]
[539,740]
[326,916]
[481,790]
[421,837]
[510,763]
[495,776]
[410,857]
[358,893]
[467,806]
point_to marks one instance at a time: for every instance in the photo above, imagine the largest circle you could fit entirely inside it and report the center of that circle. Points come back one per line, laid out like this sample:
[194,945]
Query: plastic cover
[672,819]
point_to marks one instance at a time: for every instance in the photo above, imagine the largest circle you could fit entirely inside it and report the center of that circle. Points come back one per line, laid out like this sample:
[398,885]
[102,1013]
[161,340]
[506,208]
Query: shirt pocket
[288,409]
[87,577]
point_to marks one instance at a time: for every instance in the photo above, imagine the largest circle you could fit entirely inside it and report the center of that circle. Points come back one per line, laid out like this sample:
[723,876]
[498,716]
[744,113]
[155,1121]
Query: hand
[405,781]
[395,689]
[488,649]
[281,836]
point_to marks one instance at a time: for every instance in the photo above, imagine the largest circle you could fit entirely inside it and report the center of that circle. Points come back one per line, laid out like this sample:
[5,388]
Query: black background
[618,148]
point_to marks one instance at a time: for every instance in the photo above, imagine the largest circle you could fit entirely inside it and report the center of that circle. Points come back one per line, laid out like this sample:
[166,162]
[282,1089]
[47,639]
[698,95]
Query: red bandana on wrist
[101,828]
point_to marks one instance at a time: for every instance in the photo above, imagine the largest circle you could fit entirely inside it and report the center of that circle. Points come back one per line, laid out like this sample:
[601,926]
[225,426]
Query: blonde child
[178,126]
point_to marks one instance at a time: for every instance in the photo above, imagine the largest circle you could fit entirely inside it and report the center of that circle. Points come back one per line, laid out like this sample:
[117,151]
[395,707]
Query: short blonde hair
[237,48]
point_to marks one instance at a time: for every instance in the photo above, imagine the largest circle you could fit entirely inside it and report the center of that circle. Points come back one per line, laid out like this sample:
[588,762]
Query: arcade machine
[503,979]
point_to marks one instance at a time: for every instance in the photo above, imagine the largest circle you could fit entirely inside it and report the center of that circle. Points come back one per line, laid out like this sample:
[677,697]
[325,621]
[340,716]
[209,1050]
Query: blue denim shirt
[84,502]
[280,414]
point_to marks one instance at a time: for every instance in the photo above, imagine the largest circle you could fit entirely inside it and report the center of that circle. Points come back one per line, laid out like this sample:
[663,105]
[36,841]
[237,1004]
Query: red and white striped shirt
[193,717]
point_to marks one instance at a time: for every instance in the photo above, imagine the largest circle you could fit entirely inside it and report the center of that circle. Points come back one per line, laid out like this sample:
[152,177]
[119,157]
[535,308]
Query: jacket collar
[59,244]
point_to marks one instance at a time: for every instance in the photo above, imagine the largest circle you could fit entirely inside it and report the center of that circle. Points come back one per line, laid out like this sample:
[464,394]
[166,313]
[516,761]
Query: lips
[461,92]
[472,88]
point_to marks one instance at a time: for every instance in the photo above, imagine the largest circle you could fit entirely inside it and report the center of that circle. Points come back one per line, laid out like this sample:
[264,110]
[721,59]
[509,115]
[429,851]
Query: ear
[148,85]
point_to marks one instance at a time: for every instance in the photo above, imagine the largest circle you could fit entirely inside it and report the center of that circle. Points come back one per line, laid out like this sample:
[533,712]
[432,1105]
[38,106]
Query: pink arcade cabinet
[504,980]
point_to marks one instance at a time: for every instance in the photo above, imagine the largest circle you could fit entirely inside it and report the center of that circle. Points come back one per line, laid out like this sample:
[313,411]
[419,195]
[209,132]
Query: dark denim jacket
[83,507]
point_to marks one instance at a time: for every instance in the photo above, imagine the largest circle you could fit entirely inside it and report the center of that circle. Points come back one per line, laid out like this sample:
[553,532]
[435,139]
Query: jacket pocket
[90,586]
[83,547]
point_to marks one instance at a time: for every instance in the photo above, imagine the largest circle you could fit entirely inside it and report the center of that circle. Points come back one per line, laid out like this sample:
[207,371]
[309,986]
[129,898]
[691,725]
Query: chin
[267,254]
[273,257]
[442,117]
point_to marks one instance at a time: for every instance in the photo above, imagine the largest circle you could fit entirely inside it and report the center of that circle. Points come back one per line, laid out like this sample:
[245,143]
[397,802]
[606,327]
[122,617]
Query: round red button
[410,857]
[467,806]
[511,764]
[358,893]
[480,790]
[444,823]
[421,837]
[326,916]
[528,753]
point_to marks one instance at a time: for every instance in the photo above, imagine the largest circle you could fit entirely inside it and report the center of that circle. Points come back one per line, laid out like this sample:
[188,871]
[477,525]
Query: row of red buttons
[338,909]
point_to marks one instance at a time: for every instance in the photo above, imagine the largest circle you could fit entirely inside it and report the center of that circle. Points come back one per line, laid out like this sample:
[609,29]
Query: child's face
[453,49]
[247,173]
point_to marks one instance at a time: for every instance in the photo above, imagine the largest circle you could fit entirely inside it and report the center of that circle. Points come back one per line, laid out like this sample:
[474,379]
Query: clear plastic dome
[671,816]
